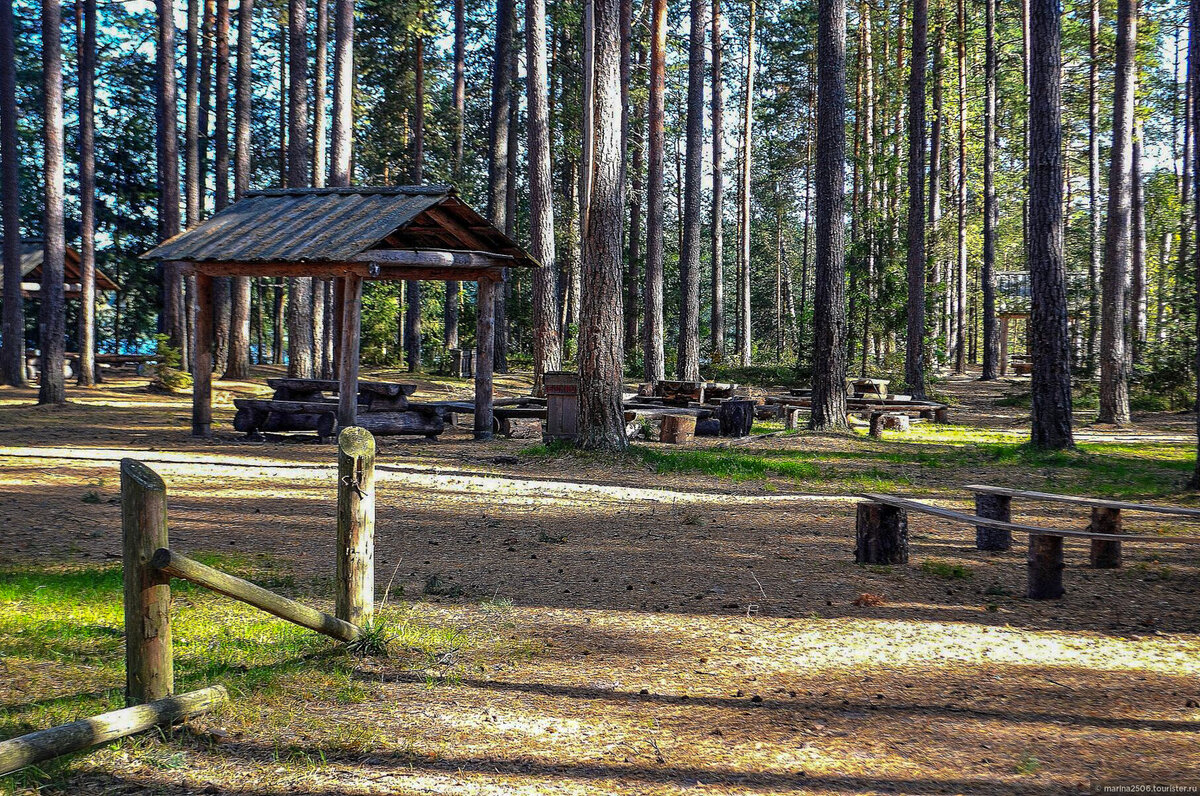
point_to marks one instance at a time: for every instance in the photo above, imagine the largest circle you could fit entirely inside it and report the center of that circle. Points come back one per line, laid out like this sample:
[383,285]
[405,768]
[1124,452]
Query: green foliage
[167,375]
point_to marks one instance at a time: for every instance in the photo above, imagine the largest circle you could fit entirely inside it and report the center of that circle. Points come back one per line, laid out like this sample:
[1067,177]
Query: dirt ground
[686,633]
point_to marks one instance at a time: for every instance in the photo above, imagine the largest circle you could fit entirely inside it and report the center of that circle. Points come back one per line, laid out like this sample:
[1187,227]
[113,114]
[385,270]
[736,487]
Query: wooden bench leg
[1045,567]
[993,507]
[1106,554]
[791,419]
[876,425]
[881,534]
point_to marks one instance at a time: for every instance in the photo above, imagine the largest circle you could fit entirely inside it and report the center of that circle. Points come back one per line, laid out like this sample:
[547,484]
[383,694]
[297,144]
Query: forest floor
[672,620]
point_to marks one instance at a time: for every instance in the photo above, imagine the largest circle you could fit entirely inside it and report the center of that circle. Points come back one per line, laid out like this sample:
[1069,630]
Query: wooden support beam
[435,259]
[356,526]
[348,359]
[993,507]
[172,564]
[149,671]
[202,359]
[37,747]
[485,341]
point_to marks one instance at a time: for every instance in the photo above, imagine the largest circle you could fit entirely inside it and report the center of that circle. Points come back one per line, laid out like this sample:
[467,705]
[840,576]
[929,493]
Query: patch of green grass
[726,464]
[946,570]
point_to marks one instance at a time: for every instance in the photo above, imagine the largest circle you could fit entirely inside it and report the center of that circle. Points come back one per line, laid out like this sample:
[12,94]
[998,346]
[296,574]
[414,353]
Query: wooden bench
[301,405]
[995,502]
[925,410]
[881,537]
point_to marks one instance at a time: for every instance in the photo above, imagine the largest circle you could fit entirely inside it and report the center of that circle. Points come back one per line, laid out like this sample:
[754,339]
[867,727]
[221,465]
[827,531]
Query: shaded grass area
[62,650]
[933,459]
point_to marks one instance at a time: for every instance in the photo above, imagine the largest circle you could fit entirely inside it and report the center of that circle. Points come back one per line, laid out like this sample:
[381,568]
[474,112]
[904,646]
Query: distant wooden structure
[32,252]
[349,234]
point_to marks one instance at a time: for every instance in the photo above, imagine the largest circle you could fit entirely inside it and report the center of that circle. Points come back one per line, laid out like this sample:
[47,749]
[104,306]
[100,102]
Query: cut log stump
[993,507]
[1045,567]
[881,535]
[677,429]
[1106,554]
[736,417]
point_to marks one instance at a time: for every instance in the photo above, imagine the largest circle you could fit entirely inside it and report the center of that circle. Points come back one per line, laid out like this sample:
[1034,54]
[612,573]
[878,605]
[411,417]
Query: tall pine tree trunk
[85,31]
[498,160]
[914,352]
[688,365]
[1094,262]
[412,288]
[637,167]
[717,320]
[238,365]
[1137,289]
[547,347]
[934,274]
[193,179]
[300,303]
[342,140]
[991,209]
[454,288]
[829,319]
[52,309]
[167,168]
[960,304]
[601,417]
[745,331]
[12,328]
[652,327]
[1049,340]
[1114,387]
[221,285]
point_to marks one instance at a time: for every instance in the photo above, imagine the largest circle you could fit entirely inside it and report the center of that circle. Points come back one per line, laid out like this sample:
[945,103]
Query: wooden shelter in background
[347,234]
[32,254]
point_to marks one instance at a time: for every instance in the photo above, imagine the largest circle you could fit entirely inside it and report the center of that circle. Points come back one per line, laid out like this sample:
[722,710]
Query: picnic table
[302,405]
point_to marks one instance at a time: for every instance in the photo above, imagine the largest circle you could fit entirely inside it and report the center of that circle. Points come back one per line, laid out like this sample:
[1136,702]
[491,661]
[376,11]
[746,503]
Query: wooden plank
[171,563]
[435,259]
[276,405]
[36,747]
[1048,497]
[971,519]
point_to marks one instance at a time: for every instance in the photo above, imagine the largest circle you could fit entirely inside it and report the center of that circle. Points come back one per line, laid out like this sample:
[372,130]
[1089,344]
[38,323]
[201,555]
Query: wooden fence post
[881,534]
[356,526]
[1045,567]
[1106,554]
[993,507]
[149,673]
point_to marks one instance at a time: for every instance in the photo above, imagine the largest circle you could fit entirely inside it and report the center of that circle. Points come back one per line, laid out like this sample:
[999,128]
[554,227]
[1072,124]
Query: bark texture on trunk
[717,319]
[167,167]
[991,209]
[300,303]
[547,347]
[914,352]
[238,364]
[52,309]
[1114,385]
[1094,261]
[1049,338]
[652,325]
[1137,285]
[601,355]
[320,88]
[688,350]
[829,318]
[85,29]
[745,333]
[343,93]
[12,328]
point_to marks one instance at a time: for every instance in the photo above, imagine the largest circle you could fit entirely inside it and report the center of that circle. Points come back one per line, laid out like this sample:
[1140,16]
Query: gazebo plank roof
[32,253]
[324,225]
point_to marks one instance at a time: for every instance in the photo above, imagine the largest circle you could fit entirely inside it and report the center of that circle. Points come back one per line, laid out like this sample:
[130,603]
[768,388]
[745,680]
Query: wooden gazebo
[32,253]
[348,234]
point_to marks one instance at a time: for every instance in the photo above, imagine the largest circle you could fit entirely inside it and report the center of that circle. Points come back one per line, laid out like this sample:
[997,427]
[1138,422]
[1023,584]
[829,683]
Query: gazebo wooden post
[351,306]
[1003,345]
[485,339]
[339,292]
[202,361]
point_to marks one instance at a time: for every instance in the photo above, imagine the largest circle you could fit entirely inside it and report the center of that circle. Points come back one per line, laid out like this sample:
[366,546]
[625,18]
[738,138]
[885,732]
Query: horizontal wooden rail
[178,566]
[1047,497]
[35,747]
[972,519]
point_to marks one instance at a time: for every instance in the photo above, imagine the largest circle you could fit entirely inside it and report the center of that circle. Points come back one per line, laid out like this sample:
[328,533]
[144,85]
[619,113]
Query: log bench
[995,502]
[881,537]
[301,405]
[924,410]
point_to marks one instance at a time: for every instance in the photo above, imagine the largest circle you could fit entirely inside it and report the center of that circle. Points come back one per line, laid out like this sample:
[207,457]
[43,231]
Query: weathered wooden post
[149,672]
[791,418]
[356,526]
[1106,554]
[1045,567]
[993,507]
[348,352]
[881,534]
